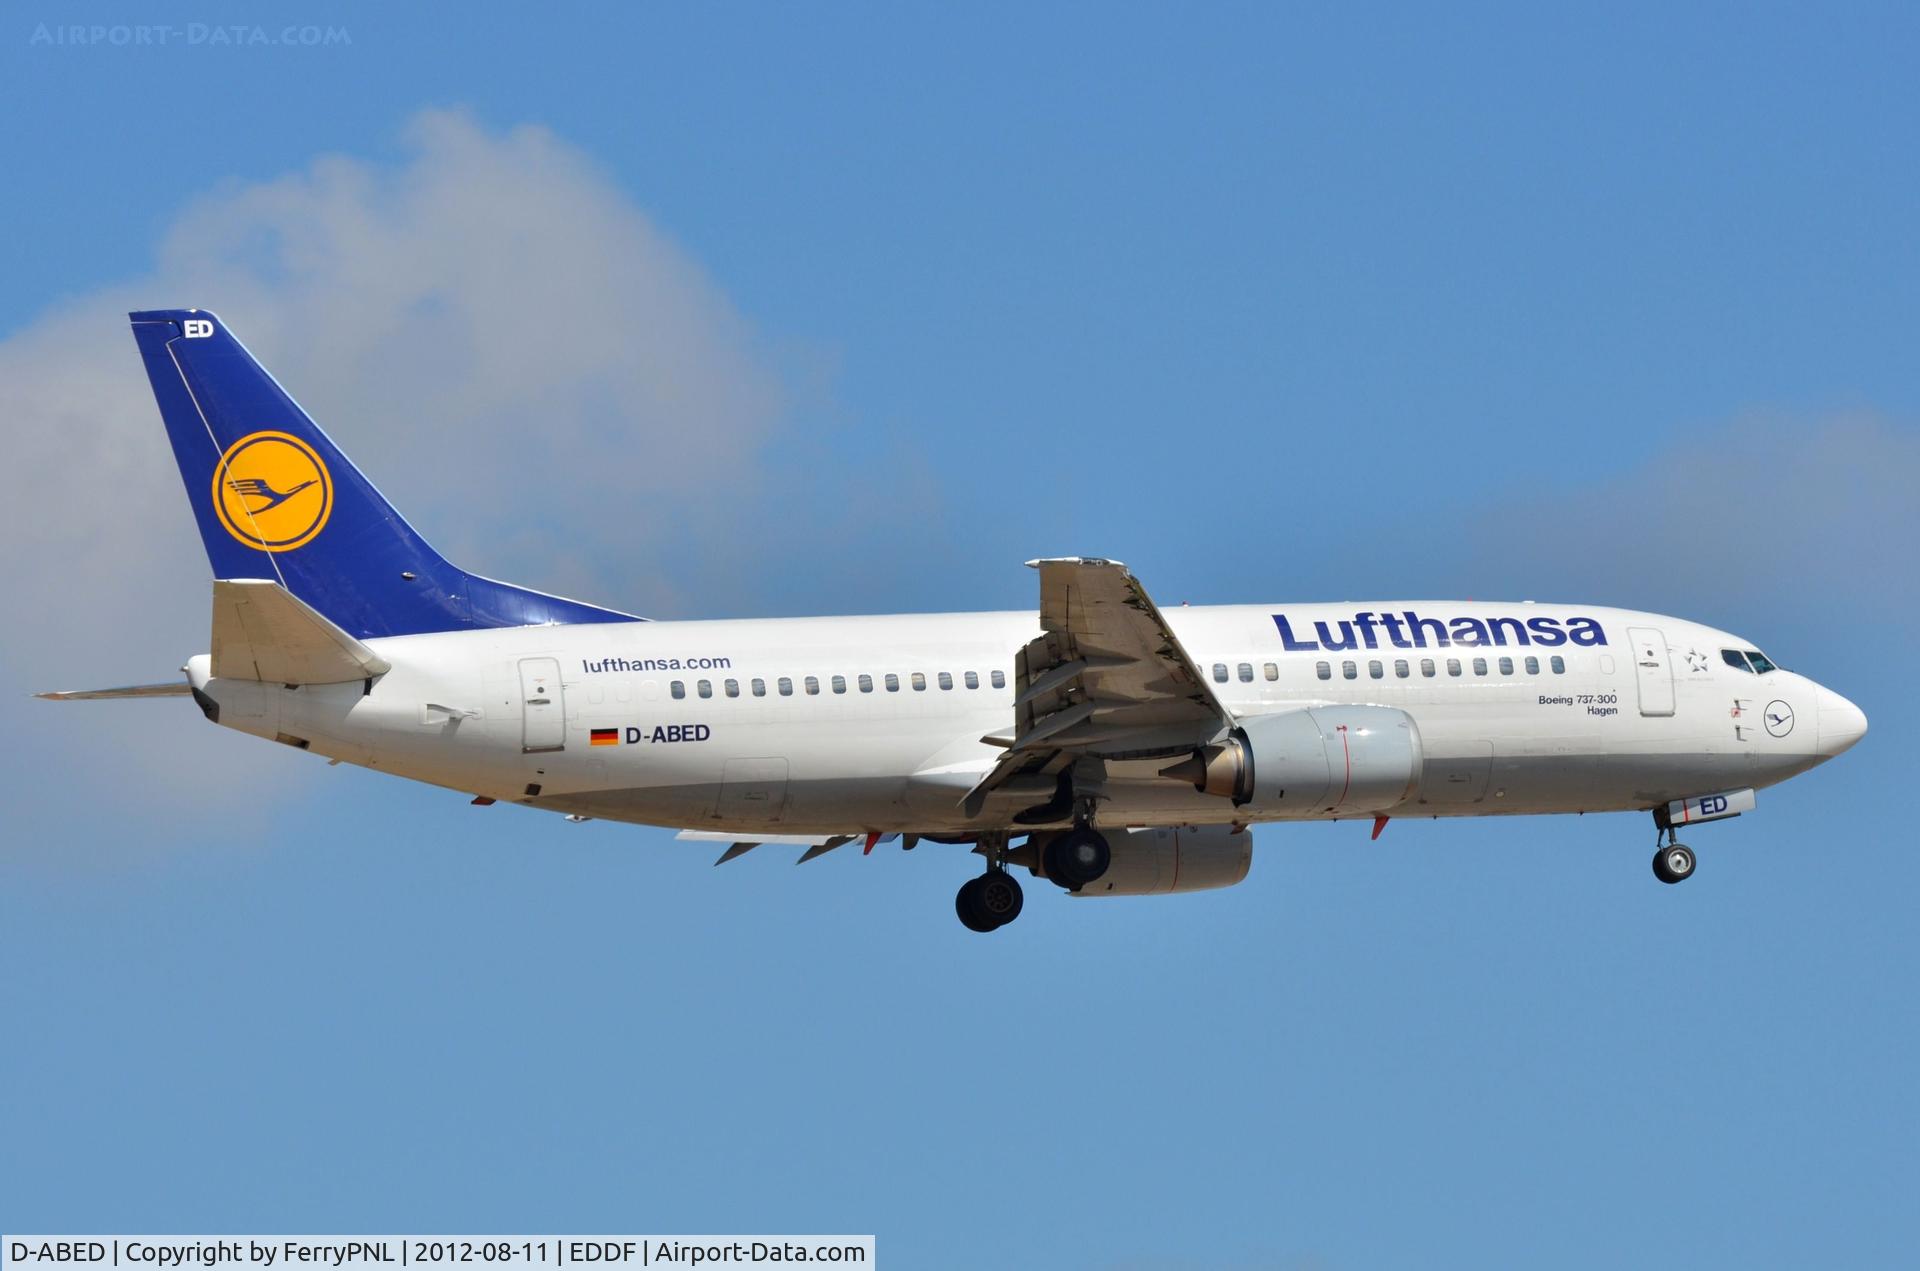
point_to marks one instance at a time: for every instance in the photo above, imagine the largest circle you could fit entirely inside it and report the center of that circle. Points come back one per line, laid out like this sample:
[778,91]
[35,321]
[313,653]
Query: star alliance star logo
[1696,660]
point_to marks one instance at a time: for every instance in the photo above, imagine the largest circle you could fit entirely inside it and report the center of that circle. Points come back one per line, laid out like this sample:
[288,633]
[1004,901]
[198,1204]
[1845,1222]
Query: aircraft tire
[1077,858]
[1000,896]
[1673,863]
[972,909]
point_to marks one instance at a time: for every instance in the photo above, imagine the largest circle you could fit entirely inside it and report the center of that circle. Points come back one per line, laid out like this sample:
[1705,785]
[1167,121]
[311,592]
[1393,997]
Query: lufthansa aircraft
[1099,742]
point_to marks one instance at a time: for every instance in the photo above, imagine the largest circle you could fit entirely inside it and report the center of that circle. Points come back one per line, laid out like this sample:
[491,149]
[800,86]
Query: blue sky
[863,306]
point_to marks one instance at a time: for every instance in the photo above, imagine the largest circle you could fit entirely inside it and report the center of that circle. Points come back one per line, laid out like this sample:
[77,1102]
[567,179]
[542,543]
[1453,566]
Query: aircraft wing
[1107,678]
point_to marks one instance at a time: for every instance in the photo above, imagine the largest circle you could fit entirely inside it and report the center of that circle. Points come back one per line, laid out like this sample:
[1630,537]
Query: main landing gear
[1076,858]
[1071,860]
[989,902]
[994,899]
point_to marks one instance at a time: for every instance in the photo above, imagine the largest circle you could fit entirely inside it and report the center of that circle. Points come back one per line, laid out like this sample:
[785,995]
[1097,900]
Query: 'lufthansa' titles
[1409,630]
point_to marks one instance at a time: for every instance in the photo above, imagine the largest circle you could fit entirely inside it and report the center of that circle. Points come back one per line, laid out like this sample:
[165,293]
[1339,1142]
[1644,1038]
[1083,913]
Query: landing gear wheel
[972,910]
[1000,896]
[1673,863]
[1076,858]
[990,901]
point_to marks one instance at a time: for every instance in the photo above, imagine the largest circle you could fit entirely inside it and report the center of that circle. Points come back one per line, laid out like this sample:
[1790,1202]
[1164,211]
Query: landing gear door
[543,711]
[1653,667]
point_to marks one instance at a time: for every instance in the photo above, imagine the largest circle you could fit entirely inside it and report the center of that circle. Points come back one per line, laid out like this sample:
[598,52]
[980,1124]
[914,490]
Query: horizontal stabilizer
[178,688]
[262,631]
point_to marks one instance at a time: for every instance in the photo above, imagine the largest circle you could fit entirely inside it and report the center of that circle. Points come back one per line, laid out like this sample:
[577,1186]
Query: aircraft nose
[1841,723]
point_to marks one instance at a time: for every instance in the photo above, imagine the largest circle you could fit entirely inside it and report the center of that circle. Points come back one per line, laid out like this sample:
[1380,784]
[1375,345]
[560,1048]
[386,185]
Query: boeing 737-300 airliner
[1099,742]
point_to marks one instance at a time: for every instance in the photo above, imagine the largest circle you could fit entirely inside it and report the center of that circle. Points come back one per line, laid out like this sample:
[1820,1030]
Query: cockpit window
[1760,664]
[1735,659]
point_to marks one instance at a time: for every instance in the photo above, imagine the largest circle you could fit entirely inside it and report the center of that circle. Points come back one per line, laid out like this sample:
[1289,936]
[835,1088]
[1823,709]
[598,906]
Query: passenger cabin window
[893,682]
[946,679]
[1401,669]
[1453,666]
[759,688]
[1533,666]
[705,688]
[1272,670]
[678,689]
[1559,665]
[1377,671]
[919,682]
[1323,669]
[839,683]
[733,688]
[786,686]
[866,684]
[1506,666]
[999,679]
[1219,672]
[1246,672]
[813,686]
[1426,667]
[1349,670]
[973,679]
[1479,666]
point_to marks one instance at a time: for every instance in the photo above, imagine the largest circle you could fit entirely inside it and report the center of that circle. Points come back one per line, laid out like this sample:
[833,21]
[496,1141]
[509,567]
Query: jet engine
[1158,860]
[1332,759]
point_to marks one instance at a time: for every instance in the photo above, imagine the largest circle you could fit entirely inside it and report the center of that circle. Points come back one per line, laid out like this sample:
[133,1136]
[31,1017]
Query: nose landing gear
[1673,861]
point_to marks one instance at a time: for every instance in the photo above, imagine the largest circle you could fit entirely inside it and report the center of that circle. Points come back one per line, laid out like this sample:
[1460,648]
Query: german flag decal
[606,737]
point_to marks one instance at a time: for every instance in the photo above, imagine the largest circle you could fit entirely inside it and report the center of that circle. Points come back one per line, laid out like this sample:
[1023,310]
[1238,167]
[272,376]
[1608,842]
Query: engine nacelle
[1159,860]
[1331,759]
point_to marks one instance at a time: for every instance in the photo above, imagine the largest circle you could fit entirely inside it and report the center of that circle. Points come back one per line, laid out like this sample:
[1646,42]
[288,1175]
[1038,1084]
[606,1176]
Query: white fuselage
[714,724]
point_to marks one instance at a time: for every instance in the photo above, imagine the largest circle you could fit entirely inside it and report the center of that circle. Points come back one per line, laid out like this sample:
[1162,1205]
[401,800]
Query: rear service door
[543,712]
[1654,669]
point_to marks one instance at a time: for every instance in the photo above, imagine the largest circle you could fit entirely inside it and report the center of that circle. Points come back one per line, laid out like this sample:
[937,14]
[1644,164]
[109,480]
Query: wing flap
[1096,612]
[1106,678]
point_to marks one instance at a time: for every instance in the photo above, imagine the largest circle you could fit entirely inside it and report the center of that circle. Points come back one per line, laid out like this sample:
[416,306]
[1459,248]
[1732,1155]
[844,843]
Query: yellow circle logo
[272,491]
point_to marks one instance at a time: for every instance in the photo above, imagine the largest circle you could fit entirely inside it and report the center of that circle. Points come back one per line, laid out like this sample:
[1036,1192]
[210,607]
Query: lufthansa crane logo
[272,491]
[1779,718]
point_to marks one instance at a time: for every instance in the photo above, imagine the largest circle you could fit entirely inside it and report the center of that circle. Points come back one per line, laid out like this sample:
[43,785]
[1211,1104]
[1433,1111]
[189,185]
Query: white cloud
[534,373]
[1816,512]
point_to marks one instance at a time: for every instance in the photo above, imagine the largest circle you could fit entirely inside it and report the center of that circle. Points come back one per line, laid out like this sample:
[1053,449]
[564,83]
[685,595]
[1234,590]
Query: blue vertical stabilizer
[276,499]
